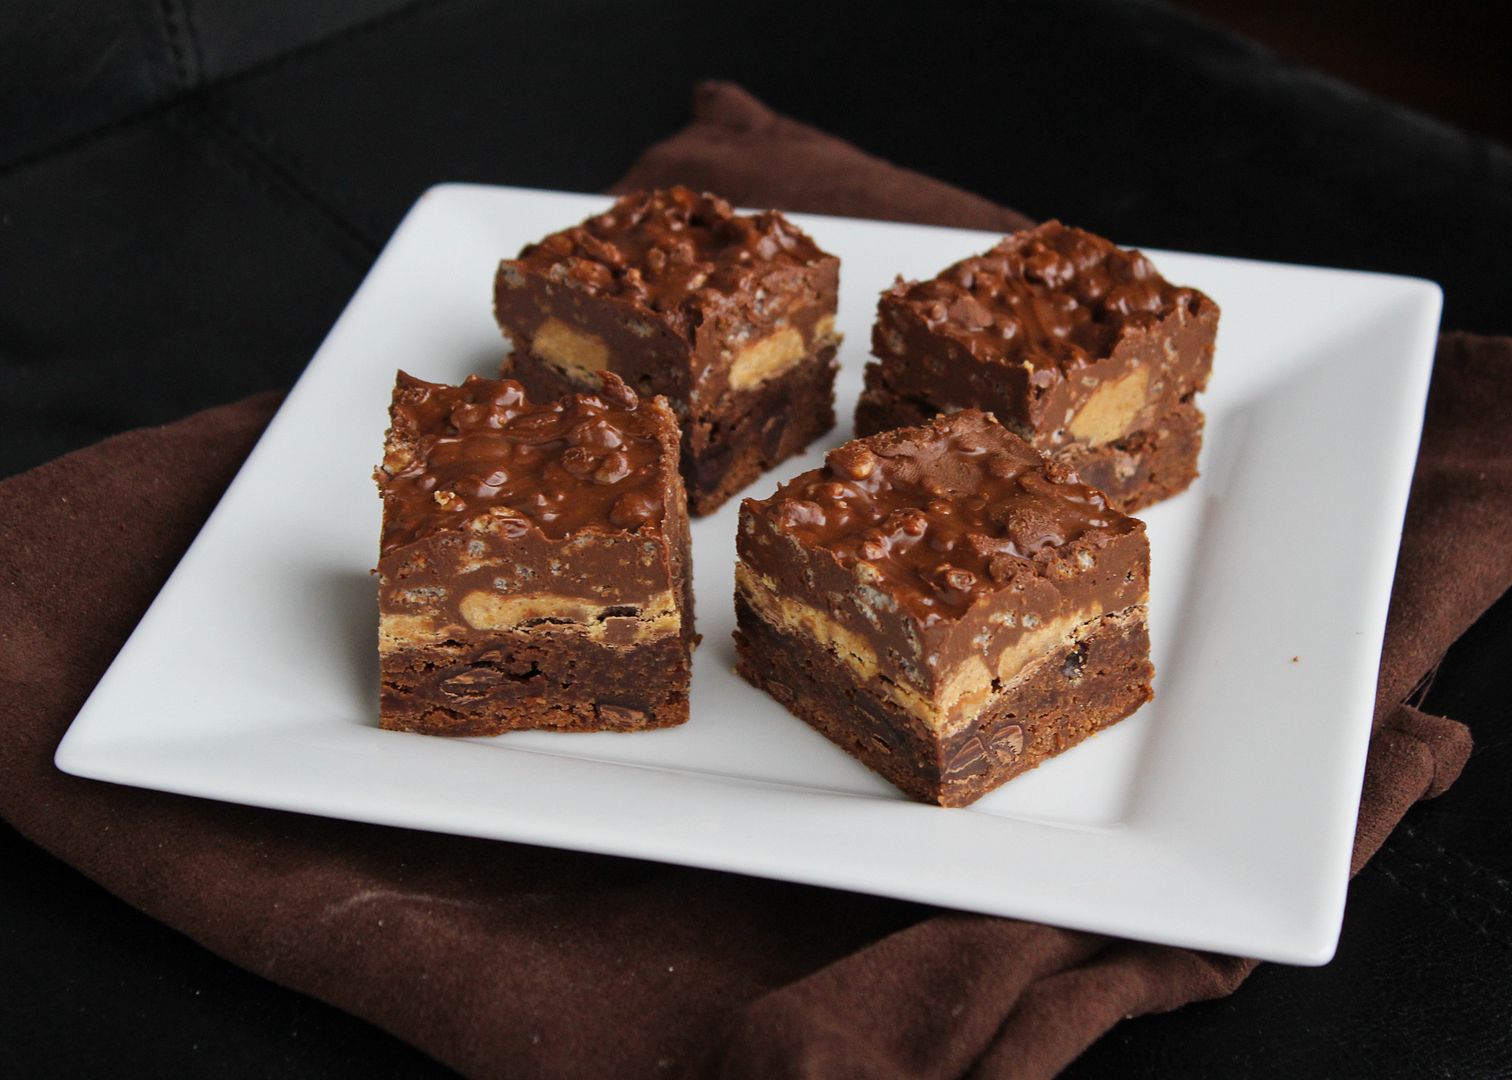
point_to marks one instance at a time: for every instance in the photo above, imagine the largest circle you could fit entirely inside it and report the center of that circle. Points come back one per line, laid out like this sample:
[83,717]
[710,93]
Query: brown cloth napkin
[503,959]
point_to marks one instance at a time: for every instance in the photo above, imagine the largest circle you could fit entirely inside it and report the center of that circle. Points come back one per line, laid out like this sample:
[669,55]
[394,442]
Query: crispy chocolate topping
[1053,297]
[945,512]
[584,461]
[675,251]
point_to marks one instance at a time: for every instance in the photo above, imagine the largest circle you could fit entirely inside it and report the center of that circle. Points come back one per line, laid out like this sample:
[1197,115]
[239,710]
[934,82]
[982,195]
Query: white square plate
[1220,816]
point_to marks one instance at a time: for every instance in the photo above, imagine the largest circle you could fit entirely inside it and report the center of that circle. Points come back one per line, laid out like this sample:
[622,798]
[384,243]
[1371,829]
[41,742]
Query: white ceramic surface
[1220,816]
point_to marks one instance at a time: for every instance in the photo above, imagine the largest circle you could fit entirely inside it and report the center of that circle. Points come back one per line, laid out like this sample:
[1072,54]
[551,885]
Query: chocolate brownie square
[944,605]
[731,317]
[1079,346]
[534,568]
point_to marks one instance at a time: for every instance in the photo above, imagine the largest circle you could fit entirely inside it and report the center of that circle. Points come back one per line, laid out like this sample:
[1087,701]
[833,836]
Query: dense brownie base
[514,681]
[723,452]
[1136,471]
[1145,467]
[1055,703]
[880,408]
[768,425]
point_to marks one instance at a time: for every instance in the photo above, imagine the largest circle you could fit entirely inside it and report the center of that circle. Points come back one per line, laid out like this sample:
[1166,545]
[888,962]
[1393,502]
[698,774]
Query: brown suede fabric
[508,960]
[754,157]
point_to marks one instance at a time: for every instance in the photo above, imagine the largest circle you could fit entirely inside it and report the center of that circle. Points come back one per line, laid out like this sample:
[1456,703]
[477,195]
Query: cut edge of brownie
[1135,471]
[1096,675]
[527,680]
[1143,467]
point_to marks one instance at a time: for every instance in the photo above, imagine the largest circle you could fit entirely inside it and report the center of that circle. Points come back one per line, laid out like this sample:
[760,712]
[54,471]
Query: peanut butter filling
[962,693]
[774,354]
[804,620]
[576,352]
[1111,410]
[482,610]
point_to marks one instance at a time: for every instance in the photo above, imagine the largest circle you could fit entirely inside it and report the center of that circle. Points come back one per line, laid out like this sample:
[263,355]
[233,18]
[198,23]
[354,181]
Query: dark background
[191,189]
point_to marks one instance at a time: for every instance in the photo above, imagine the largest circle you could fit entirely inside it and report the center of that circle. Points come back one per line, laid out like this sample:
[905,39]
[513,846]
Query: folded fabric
[506,960]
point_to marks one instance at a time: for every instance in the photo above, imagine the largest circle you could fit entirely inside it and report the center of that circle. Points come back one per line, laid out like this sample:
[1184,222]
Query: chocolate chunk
[1076,659]
[1009,738]
[619,715]
[968,758]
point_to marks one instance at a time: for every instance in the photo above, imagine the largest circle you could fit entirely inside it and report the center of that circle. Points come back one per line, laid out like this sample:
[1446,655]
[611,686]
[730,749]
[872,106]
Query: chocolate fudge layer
[1079,346]
[945,605]
[535,568]
[730,317]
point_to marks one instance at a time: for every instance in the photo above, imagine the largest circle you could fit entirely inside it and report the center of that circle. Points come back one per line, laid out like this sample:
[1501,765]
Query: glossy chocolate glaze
[942,513]
[675,252]
[1065,337]
[781,417]
[456,452]
[1056,297]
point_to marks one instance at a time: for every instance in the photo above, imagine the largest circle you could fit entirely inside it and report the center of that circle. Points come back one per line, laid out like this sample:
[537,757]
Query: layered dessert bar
[945,605]
[730,317]
[534,568]
[1079,346]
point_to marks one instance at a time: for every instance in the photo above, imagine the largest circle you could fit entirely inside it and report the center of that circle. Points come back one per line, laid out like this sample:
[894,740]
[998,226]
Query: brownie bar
[730,317]
[944,605]
[534,568]
[1078,346]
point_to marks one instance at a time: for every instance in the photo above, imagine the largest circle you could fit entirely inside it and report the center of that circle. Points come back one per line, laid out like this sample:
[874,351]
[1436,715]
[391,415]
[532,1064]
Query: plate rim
[80,753]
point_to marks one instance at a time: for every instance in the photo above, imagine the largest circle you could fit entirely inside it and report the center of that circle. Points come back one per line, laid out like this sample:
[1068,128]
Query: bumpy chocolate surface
[722,314]
[1052,296]
[584,461]
[676,252]
[942,513]
[1135,471]
[781,417]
